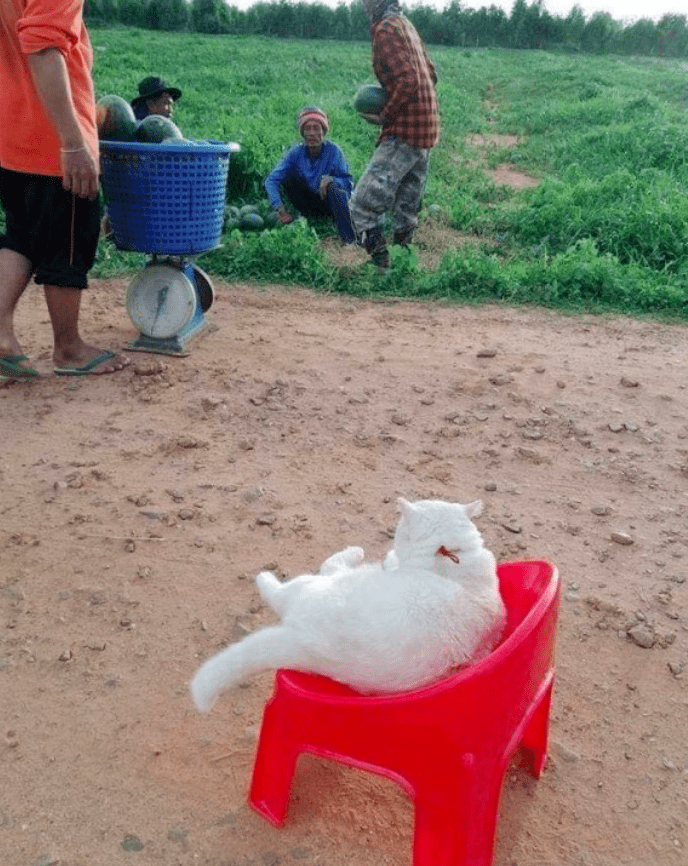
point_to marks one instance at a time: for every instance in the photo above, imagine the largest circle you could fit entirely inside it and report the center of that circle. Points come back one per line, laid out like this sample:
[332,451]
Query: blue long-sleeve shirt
[298,163]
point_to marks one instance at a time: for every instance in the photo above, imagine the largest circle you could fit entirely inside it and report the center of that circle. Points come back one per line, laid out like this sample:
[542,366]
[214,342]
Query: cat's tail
[267,649]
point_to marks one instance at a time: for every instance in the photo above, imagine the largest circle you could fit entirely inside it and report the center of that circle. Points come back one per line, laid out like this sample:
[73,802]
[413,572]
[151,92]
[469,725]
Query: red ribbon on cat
[444,552]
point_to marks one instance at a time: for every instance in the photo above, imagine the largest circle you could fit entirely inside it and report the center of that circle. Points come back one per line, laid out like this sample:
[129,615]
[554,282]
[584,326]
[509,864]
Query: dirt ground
[138,507]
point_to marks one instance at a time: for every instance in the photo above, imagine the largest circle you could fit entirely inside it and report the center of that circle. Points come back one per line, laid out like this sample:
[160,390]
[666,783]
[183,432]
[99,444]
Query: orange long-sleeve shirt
[28,142]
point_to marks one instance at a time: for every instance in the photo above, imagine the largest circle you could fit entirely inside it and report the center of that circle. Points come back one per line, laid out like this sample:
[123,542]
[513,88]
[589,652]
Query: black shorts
[55,230]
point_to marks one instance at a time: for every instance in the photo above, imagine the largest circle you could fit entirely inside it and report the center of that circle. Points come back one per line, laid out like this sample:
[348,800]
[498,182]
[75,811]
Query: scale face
[161,301]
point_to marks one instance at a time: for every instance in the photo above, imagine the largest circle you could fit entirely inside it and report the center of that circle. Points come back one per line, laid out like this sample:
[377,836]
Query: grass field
[606,229]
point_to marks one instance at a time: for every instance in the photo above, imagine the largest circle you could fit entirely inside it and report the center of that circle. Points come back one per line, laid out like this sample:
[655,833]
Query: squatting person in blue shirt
[314,176]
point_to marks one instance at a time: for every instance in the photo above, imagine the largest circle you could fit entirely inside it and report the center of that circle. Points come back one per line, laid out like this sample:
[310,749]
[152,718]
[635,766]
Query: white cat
[434,604]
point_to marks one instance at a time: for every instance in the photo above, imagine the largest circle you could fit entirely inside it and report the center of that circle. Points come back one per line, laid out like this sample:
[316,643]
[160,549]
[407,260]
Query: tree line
[527,27]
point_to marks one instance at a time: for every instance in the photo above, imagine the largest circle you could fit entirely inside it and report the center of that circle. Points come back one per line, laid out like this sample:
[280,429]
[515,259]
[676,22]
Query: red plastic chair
[448,745]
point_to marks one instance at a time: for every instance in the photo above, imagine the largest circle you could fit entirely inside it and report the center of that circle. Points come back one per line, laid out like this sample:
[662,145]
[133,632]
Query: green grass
[606,230]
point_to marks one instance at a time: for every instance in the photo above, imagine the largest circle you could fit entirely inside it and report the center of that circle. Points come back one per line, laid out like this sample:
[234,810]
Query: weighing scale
[167,301]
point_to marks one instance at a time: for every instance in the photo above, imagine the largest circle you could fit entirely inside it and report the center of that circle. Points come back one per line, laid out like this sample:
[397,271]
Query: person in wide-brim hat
[155,97]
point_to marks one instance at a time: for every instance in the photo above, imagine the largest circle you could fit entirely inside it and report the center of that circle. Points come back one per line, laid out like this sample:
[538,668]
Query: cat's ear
[474,509]
[404,505]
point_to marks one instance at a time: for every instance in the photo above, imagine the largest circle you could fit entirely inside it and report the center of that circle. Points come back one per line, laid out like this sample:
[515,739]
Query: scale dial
[161,301]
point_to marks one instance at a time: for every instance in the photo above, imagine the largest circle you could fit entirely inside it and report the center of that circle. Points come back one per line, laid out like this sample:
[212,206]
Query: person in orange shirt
[48,179]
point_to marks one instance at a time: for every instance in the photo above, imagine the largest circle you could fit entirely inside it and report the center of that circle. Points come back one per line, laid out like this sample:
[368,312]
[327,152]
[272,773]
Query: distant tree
[253,19]
[543,29]
[483,27]
[574,27]
[168,14]
[422,18]
[234,17]
[111,12]
[528,26]
[317,20]
[210,16]
[639,38]
[279,19]
[360,22]
[452,26]
[599,33]
[93,12]
[341,26]
[498,24]
[101,12]
[672,36]
[531,25]
[517,24]
[132,12]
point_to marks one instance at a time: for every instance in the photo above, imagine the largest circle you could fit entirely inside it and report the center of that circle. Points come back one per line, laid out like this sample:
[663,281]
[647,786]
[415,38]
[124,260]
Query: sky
[625,11]
[620,10]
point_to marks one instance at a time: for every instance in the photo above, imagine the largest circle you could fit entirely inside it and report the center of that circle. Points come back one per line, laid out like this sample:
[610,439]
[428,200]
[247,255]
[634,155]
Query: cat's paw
[391,561]
[350,557]
[267,585]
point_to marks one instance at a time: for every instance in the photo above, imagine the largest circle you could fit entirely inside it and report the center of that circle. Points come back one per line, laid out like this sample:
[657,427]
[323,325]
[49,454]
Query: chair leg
[273,771]
[536,734]
[458,829]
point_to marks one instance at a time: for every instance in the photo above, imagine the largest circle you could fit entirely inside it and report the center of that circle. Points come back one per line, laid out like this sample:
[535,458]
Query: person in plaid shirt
[395,176]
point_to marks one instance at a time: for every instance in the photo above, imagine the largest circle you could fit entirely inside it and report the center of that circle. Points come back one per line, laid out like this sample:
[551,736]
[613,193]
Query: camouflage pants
[393,181]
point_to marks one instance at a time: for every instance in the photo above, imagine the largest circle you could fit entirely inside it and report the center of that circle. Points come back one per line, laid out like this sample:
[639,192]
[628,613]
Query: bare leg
[70,349]
[15,272]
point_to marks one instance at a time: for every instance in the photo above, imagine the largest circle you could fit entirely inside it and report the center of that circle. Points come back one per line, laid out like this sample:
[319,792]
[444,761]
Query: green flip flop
[11,368]
[87,369]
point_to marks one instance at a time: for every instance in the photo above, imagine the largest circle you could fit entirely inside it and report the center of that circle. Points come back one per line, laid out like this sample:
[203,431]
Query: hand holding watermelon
[369,102]
[371,118]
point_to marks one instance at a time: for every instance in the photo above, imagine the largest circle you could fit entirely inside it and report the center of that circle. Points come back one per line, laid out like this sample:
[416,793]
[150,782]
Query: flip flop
[87,369]
[11,368]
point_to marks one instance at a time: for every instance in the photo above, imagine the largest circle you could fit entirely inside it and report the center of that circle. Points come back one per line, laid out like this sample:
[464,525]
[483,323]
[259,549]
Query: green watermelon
[252,220]
[370,99]
[115,119]
[155,128]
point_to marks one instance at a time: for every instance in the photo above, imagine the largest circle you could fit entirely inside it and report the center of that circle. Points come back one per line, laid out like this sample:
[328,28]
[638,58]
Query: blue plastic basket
[165,198]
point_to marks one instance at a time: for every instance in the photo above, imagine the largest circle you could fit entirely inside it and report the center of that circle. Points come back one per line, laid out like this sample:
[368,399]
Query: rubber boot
[403,238]
[376,247]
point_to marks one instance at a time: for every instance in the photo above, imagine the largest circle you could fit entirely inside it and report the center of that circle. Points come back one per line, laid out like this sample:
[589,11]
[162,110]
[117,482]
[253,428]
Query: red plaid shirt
[403,68]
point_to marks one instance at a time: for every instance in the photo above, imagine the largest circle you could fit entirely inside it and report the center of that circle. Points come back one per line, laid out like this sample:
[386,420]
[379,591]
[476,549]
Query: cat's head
[432,526]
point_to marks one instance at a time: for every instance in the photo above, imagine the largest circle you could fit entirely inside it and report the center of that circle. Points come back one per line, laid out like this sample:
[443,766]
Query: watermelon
[370,99]
[155,128]
[252,220]
[115,119]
